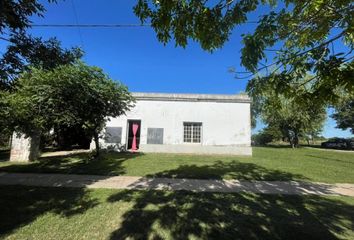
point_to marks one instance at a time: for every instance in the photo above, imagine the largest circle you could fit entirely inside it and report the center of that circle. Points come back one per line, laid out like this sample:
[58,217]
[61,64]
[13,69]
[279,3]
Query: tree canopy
[24,51]
[14,14]
[302,34]
[68,95]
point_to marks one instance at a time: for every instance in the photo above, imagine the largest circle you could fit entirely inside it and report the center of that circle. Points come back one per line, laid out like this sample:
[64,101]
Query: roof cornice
[235,98]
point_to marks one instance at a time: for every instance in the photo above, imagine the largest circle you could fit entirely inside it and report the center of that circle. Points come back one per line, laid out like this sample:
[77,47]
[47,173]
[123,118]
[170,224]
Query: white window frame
[193,124]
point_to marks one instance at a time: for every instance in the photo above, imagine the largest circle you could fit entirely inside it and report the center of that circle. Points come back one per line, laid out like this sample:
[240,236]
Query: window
[192,132]
[155,136]
[113,135]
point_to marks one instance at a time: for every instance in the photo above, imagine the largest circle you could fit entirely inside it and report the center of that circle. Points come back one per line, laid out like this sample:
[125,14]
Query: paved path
[64,153]
[195,185]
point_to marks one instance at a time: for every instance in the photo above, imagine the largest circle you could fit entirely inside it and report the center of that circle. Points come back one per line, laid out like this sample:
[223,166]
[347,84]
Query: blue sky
[135,57]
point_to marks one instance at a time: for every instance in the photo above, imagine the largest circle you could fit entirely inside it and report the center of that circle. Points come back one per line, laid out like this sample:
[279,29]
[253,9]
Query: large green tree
[24,50]
[302,35]
[68,95]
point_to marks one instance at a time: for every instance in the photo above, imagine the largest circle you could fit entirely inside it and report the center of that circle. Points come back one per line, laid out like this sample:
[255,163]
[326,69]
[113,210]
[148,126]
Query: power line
[77,22]
[119,25]
[90,25]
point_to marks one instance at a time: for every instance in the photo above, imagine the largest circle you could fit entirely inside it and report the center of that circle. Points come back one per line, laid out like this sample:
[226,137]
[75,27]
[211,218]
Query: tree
[344,113]
[266,135]
[68,95]
[25,50]
[286,113]
[14,14]
[4,116]
[305,31]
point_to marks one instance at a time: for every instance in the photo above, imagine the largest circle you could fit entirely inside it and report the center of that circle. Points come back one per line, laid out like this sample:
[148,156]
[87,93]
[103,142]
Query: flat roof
[236,98]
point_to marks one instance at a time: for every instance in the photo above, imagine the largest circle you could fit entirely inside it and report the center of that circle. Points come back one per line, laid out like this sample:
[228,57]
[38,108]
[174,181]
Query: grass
[267,163]
[65,213]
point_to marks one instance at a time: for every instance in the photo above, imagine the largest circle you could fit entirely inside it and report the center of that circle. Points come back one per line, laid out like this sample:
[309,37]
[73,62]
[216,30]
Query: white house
[183,123]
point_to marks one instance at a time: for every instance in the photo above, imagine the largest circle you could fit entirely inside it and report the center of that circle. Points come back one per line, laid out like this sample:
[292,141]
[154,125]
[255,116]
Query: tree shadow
[331,149]
[330,159]
[31,202]
[186,215]
[206,214]
[4,155]
[79,163]
[231,170]
[286,146]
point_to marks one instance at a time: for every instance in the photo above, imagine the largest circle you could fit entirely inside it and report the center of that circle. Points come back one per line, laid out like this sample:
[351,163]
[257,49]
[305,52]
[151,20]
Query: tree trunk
[34,146]
[10,141]
[97,143]
[293,139]
[296,140]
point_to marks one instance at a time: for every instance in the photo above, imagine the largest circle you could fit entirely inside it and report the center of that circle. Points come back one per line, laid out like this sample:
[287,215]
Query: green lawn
[267,163]
[65,213]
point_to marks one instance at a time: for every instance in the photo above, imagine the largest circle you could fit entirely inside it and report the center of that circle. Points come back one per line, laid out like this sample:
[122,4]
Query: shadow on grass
[202,215]
[181,214]
[20,206]
[233,170]
[111,164]
[276,146]
[186,215]
[81,163]
[329,159]
[329,149]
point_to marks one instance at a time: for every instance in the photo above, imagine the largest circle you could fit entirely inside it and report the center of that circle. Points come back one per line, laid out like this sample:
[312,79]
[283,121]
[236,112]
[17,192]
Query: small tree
[68,95]
[291,114]
[266,135]
[344,113]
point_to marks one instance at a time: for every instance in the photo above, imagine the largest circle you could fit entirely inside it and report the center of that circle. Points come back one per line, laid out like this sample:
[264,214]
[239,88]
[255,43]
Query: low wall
[182,148]
[24,149]
[197,149]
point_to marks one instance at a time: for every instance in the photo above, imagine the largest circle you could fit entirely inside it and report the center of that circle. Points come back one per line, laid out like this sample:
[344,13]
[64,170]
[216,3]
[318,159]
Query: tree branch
[296,55]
